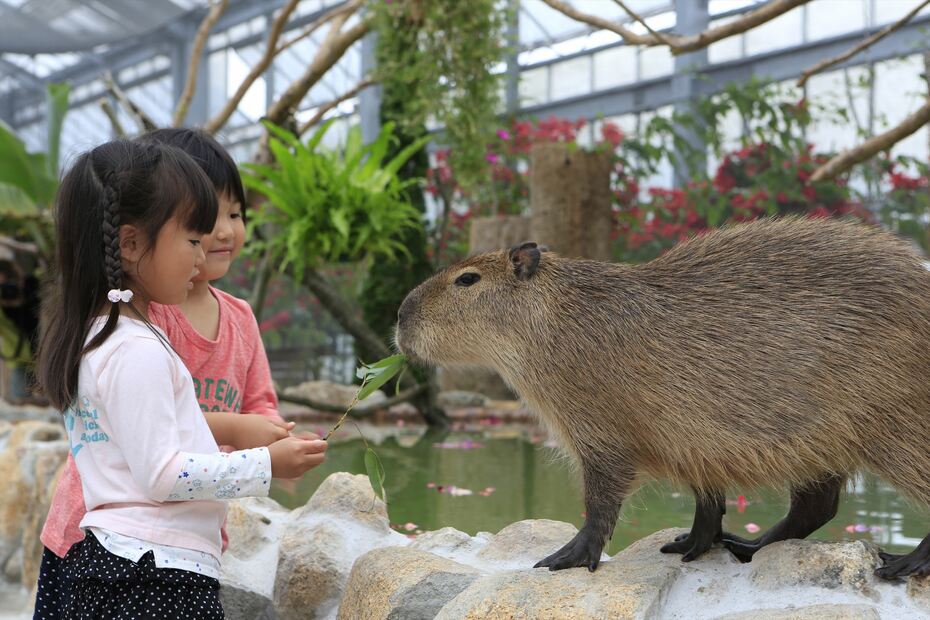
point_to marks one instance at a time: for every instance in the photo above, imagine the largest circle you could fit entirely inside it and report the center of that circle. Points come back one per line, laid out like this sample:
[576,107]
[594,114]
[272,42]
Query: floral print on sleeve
[243,473]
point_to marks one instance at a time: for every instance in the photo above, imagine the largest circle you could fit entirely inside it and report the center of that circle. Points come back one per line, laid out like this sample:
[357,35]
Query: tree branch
[682,44]
[868,41]
[408,394]
[114,119]
[876,144]
[142,119]
[637,17]
[193,65]
[219,119]
[309,29]
[326,107]
[331,50]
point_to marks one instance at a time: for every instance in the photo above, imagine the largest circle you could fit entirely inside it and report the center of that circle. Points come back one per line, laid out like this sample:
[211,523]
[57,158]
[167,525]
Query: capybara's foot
[740,547]
[582,550]
[897,567]
[691,547]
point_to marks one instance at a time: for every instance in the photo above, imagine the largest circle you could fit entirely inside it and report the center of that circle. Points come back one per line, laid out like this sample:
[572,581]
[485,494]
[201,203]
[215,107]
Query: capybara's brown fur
[776,352]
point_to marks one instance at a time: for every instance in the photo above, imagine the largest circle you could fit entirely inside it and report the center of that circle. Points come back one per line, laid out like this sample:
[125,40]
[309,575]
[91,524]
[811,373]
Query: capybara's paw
[898,567]
[690,547]
[582,550]
[740,547]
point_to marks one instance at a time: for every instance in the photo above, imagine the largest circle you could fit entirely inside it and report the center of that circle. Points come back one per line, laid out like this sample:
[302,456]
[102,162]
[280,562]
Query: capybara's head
[468,313]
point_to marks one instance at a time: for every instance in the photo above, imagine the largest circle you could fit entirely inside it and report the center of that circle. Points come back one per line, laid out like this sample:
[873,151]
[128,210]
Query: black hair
[209,155]
[119,182]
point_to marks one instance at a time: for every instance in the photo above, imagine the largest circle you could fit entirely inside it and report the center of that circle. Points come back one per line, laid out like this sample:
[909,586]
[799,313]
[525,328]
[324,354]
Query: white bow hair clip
[116,295]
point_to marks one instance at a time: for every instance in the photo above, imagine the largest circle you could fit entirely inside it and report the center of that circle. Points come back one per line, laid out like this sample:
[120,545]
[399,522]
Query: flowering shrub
[767,174]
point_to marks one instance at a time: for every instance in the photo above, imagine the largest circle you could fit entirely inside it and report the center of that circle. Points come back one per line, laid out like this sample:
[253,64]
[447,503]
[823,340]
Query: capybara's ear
[525,259]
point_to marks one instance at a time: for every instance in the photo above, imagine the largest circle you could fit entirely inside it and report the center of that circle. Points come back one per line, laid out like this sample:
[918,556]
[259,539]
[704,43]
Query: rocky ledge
[337,557]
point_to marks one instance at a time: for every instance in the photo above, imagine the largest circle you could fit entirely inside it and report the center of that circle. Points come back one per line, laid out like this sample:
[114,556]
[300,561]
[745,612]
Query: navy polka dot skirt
[92,583]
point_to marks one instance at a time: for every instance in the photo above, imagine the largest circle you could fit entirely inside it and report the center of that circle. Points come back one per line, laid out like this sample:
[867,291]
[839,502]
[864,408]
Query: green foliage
[438,57]
[388,281]
[28,184]
[373,376]
[331,205]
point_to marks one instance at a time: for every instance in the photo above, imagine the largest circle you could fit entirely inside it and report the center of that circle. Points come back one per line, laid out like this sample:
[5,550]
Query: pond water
[483,481]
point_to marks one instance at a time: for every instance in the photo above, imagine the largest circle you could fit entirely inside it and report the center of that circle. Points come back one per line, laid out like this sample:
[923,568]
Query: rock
[32,413]
[461,398]
[348,497]
[249,527]
[848,565]
[632,585]
[398,582]
[444,542]
[527,542]
[28,465]
[247,573]
[814,612]
[49,462]
[241,603]
[918,590]
[332,393]
[342,521]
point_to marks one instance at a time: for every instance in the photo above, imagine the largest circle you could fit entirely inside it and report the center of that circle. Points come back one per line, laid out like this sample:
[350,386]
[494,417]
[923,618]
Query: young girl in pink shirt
[130,218]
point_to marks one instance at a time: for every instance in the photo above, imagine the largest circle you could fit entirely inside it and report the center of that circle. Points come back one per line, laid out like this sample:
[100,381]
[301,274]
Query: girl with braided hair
[130,218]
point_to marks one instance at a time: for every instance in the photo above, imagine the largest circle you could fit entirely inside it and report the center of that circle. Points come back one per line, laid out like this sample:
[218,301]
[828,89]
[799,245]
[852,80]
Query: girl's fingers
[315,446]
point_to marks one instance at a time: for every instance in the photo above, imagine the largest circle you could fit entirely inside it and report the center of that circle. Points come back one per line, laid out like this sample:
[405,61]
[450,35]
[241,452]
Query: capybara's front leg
[606,483]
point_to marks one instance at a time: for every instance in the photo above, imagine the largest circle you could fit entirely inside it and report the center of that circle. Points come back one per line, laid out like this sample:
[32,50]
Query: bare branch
[331,50]
[661,37]
[326,107]
[114,120]
[19,246]
[313,27]
[200,39]
[682,44]
[874,145]
[142,119]
[829,62]
[220,118]
[358,411]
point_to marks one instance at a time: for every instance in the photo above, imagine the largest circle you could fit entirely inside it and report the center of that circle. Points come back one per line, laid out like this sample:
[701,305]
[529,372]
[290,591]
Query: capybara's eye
[467,279]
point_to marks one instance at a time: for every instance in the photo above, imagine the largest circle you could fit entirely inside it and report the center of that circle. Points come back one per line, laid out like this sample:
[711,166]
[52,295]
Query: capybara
[783,352]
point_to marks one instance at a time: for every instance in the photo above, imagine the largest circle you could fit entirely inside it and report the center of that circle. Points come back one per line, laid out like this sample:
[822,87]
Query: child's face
[167,270]
[225,241]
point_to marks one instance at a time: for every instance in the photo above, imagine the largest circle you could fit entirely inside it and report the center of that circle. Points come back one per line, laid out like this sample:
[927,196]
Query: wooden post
[570,200]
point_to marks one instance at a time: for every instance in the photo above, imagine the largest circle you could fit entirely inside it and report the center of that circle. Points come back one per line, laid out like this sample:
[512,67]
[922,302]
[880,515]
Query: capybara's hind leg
[917,563]
[707,529]
[811,507]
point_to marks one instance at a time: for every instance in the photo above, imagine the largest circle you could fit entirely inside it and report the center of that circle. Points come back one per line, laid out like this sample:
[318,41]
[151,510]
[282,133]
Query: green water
[530,481]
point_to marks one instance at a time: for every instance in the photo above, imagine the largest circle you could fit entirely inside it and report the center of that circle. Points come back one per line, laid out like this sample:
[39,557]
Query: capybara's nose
[405,310]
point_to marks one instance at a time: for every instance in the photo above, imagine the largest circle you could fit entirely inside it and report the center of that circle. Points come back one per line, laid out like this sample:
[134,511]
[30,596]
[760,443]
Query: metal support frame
[181,51]
[777,65]
[512,76]
[369,100]
[123,56]
[692,17]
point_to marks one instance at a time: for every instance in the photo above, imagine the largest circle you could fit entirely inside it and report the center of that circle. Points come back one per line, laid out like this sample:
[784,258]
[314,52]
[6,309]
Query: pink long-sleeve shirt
[230,373]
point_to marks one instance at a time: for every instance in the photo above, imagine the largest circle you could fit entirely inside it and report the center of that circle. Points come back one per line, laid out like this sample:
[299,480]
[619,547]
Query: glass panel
[783,31]
[835,90]
[614,67]
[827,19]
[534,86]
[730,48]
[571,77]
[655,62]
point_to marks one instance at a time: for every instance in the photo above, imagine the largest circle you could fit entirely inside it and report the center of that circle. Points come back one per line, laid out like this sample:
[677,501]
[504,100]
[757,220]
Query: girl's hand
[251,430]
[293,456]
